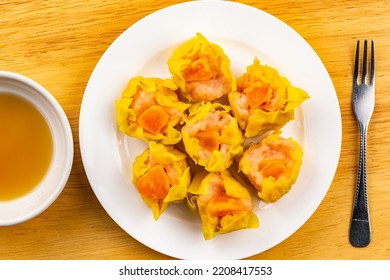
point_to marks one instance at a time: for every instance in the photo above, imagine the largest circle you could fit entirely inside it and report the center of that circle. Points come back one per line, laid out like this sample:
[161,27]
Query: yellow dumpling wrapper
[140,97]
[201,70]
[272,166]
[228,136]
[222,203]
[177,176]
[269,100]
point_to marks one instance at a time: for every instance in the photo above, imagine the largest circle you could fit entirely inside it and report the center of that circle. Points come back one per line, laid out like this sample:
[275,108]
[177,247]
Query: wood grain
[58,43]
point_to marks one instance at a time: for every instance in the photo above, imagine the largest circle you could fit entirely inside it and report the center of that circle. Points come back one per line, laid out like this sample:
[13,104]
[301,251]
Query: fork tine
[364,71]
[372,64]
[356,69]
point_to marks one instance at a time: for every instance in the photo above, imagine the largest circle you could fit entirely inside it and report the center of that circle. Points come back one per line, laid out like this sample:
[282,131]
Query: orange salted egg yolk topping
[153,119]
[222,205]
[154,184]
[199,70]
[208,139]
[273,168]
[258,95]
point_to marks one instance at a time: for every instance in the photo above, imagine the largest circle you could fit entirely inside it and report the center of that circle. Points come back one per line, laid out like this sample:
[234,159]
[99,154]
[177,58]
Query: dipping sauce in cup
[26,146]
[36,148]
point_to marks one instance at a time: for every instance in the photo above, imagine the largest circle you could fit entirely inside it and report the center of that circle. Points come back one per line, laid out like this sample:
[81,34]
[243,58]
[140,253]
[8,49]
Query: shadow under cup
[49,188]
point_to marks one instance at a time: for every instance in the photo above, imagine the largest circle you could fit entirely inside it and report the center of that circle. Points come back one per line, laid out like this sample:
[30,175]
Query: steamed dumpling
[272,166]
[162,176]
[211,136]
[201,70]
[264,100]
[149,109]
[222,204]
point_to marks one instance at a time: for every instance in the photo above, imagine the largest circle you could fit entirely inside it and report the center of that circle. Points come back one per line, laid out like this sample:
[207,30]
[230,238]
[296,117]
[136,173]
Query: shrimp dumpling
[222,204]
[272,166]
[211,136]
[201,70]
[162,176]
[149,109]
[264,100]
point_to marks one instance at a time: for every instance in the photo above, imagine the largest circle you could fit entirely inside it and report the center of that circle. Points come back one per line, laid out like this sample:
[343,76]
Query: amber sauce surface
[26,147]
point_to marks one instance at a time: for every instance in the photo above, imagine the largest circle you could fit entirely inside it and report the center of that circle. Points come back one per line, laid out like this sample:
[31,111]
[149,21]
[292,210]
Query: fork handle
[360,230]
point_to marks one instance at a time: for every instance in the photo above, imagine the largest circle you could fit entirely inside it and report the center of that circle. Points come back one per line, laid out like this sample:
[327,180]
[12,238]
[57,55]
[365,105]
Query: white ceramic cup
[46,192]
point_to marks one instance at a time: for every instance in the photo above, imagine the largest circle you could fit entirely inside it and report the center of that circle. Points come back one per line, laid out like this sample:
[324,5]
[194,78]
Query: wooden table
[58,43]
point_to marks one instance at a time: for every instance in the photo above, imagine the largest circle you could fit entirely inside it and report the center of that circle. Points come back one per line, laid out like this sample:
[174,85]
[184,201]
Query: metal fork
[363,99]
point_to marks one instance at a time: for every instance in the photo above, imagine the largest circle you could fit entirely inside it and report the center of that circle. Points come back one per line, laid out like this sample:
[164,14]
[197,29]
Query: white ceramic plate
[243,32]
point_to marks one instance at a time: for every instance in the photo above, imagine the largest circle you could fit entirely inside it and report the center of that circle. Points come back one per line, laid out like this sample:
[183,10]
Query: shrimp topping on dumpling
[272,166]
[149,109]
[211,136]
[264,100]
[222,203]
[162,176]
[201,70]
